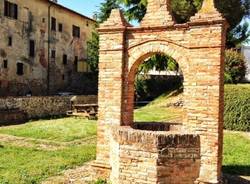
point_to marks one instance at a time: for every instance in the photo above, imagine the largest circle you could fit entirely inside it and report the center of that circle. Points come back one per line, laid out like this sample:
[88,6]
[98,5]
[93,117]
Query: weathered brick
[192,153]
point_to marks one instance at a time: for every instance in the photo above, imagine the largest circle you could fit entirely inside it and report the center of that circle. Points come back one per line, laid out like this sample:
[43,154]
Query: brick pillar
[206,89]
[158,14]
[110,82]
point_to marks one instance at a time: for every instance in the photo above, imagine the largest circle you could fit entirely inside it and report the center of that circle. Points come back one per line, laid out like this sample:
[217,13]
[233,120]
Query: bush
[150,87]
[101,181]
[235,68]
[237,107]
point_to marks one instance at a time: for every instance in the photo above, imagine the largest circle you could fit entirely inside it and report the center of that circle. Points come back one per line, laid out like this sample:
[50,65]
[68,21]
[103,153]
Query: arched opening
[155,93]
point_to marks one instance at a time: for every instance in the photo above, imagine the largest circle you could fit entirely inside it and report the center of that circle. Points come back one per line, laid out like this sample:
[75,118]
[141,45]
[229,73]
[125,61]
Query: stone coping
[154,140]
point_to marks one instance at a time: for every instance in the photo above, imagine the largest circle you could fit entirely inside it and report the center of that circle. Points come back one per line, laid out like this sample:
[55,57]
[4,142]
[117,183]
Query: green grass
[236,154]
[29,166]
[23,165]
[156,111]
[63,130]
[156,114]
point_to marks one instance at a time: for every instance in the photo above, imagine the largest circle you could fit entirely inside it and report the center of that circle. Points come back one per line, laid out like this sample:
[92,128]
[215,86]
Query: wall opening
[158,83]
[20,69]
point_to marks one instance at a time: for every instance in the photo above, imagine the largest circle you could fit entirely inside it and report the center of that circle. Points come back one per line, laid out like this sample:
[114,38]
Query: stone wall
[40,107]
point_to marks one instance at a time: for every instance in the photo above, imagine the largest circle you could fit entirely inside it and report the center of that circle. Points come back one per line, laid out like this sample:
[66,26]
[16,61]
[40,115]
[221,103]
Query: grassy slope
[156,111]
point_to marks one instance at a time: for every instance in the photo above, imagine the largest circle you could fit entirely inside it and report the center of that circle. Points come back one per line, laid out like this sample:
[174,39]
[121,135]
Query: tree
[238,35]
[93,52]
[105,10]
[159,62]
[232,10]
[235,68]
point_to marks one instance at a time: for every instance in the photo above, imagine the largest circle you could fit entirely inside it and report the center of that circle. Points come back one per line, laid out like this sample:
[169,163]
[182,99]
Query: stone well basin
[141,155]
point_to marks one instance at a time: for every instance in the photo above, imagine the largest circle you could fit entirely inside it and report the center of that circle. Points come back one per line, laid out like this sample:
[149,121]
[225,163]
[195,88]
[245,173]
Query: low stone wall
[140,156]
[44,106]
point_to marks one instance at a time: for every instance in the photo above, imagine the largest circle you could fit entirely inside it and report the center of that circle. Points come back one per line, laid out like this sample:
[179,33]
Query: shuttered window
[10,10]
[53,24]
[76,31]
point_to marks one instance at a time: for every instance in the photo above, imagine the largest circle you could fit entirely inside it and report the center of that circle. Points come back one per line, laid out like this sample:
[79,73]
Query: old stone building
[43,46]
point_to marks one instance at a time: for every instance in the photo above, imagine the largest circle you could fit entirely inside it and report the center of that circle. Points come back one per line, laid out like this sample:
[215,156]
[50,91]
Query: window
[63,77]
[87,24]
[19,69]
[53,54]
[43,20]
[75,63]
[10,10]
[9,41]
[60,27]
[83,66]
[32,48]
[65,59]
[53,24]
[76,31]
[5,63]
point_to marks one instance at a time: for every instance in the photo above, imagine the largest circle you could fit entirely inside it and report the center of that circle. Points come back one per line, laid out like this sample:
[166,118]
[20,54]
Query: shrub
[150,87]
[235,68]
[101,181]
[237,107]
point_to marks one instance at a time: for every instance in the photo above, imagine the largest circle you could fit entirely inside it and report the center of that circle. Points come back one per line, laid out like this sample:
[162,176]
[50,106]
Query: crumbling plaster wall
[32,24]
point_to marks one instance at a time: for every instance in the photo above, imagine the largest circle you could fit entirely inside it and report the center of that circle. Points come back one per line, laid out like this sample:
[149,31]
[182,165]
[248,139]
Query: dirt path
[84,175]
[80,175]
[40,143]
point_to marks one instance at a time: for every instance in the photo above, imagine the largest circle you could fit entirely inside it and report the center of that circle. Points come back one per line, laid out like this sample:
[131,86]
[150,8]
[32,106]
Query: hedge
[237,107]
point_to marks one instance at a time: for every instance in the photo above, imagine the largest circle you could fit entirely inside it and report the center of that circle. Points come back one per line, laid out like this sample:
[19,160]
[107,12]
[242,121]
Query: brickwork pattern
[198,46]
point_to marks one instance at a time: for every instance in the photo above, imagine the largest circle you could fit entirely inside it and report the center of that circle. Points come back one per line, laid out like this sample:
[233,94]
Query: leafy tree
[93,52]
[233,11]
[238,35]
[105,10]
[159,62]
[235,68]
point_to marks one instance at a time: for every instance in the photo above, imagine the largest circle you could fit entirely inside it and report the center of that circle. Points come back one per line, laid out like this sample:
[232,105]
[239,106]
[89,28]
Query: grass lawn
[62,130]
[29,164]
[236,153]
[21,165]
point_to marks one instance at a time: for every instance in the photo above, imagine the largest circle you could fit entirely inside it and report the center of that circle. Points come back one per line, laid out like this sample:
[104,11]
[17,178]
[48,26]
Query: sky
[85,7]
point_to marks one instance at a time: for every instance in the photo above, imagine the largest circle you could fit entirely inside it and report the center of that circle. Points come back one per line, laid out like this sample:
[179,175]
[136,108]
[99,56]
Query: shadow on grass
[52,117]
[234,179]
[233,174]
[237,170]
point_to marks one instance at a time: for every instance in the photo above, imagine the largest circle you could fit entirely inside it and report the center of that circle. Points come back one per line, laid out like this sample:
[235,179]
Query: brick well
[128,153]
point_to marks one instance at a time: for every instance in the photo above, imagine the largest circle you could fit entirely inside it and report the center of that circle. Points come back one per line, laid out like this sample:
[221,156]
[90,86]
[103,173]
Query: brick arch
[136,56]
